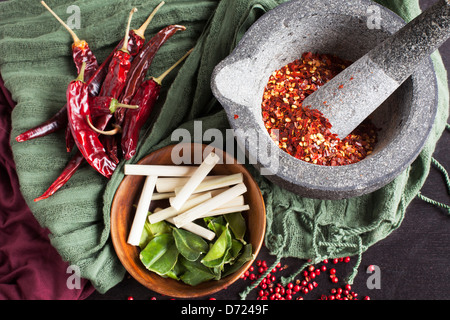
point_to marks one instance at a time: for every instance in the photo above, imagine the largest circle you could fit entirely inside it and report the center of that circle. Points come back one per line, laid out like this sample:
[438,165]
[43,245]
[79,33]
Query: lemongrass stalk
[213,193]
[145,199]
[193,227]
[196,229]
[211,204]
[225,210]
[217,183]
[194,181]
[171,183]
[171,212]
[162,196]
[159,170]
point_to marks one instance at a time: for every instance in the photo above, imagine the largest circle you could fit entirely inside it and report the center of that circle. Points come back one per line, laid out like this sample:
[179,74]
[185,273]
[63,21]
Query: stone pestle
[356,92]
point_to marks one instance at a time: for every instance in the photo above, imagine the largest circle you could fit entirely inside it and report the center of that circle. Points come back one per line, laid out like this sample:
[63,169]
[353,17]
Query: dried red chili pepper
[80,49]
[145,98]
[116,76]
[70,143]
[149,51]
[101,109]
[67,173]
[111,147]
[100,106]
[141,64]
[104,106]
[118,68]
[55,123]
[80,53]
[301,131]
[94,74]
[136,41]
[85,138]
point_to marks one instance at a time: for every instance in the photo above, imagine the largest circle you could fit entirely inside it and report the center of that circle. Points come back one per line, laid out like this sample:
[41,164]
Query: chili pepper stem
[159,79]
[140,32]
[125,41]
[81,74]
[76,40]
[115,104]
[117,129]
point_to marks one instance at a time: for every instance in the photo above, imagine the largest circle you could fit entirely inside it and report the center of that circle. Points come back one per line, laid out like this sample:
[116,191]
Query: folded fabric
[30,267]
[35,62]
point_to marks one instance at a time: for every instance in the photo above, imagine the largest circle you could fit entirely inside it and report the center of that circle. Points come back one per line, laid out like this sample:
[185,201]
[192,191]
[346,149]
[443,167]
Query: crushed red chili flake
[236,116]
[304,132]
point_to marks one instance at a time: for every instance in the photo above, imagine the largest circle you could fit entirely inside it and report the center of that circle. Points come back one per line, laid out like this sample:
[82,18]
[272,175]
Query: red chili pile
[107,104]
[302,132]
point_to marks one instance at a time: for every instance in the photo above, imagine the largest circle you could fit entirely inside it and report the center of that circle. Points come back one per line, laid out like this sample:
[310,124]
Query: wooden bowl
[122,213]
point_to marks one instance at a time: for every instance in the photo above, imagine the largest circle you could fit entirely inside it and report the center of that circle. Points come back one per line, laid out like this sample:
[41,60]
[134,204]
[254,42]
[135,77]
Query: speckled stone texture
[355,93]
[324,26]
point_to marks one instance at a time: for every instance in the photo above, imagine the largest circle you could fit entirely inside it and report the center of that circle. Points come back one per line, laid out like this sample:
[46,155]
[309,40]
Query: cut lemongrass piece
[225,210]
[159,170]
[212,192]
[237,201]
[217,183]
[211,204]
[196,229]
[194,181]
[162,196]
[171,183]
[134,236]
[171,212]
[193,227]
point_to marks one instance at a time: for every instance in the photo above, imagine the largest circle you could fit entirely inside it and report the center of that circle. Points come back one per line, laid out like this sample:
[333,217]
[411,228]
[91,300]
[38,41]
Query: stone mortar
[333,27]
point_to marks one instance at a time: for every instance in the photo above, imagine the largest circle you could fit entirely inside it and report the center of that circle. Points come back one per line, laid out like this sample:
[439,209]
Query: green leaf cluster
[181,255]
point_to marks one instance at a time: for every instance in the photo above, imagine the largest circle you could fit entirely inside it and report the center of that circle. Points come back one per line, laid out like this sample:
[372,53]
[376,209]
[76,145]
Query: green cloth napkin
[35,62]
